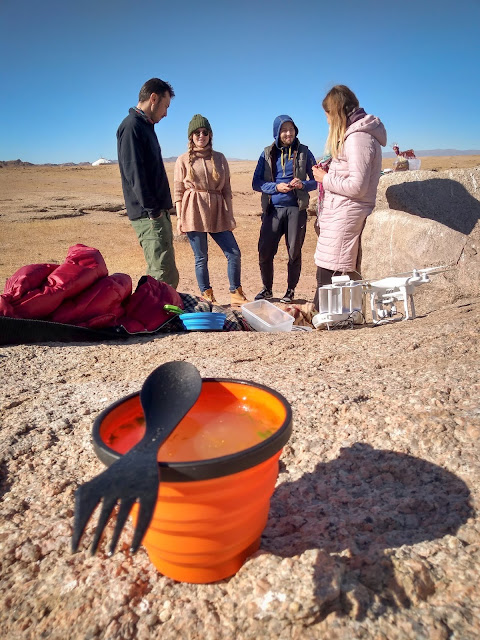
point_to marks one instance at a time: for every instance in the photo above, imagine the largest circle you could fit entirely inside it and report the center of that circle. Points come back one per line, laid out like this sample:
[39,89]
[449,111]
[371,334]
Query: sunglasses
[201,132]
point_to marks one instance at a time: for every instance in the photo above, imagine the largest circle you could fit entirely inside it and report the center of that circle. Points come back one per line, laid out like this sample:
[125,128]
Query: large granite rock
[423,219]
[373,530]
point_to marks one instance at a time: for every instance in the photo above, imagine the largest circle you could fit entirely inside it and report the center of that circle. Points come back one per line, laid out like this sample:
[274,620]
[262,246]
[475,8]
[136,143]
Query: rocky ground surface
[373,529]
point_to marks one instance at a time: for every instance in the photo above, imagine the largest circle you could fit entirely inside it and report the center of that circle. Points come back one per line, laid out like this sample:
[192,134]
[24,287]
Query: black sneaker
[264,294]
[289,296]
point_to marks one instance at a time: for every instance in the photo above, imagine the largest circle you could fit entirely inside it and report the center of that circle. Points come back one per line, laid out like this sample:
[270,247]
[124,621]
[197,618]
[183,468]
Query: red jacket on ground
[81,293]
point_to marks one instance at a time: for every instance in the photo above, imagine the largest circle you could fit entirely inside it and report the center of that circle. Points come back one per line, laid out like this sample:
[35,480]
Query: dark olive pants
[156,239]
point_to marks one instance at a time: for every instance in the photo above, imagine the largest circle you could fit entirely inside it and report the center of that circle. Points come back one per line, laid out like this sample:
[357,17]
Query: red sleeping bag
[80,292]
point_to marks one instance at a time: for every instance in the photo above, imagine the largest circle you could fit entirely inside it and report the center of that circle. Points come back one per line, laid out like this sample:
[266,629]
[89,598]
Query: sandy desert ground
[44,210]
[373,530]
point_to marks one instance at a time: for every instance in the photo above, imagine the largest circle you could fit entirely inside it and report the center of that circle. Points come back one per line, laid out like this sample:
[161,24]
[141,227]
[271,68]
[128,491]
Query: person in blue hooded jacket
[284,177]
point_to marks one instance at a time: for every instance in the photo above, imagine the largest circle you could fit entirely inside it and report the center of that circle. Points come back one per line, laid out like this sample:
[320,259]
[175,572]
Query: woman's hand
[296,183]
[283,187]
[178,208]
[318,173]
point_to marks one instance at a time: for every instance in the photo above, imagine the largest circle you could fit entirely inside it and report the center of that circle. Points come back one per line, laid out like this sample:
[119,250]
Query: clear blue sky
[69,71]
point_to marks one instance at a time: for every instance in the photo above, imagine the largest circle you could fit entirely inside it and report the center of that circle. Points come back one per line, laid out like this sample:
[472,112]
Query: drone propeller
[435,270]
[432,270]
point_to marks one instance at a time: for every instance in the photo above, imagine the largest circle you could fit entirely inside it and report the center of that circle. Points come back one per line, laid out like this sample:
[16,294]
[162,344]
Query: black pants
[324,276]
[291,223]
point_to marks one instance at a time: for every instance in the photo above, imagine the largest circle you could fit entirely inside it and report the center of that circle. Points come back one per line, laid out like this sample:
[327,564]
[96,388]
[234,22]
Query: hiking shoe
[264,294]
[237,297]
[289,296]
[208,295]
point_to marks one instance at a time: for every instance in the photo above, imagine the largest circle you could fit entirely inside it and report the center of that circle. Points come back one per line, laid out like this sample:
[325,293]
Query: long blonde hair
[339,103]
[191,158]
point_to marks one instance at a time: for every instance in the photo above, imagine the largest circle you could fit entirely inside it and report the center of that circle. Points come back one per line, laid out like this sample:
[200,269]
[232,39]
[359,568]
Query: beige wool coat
[205,203]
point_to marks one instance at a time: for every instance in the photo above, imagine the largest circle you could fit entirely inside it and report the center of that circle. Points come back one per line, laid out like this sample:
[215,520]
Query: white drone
[342,300]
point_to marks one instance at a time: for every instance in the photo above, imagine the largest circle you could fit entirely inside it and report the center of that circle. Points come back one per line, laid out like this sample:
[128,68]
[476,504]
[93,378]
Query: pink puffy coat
[350,190]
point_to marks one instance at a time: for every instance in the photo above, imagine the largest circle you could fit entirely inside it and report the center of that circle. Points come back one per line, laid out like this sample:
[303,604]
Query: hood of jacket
[369,124]
[277,124]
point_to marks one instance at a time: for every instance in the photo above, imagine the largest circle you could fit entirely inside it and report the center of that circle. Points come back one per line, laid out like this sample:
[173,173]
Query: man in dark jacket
[144,180]
[281,176]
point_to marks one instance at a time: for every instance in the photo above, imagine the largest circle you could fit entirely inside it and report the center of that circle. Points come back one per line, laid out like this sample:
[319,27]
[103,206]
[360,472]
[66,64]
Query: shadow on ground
[363,503]
[5,482]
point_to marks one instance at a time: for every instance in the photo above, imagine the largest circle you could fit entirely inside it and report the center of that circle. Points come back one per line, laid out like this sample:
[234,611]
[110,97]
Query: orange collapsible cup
[217,474]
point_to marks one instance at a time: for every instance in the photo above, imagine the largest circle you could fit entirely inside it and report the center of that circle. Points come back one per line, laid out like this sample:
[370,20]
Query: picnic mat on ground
[25,331]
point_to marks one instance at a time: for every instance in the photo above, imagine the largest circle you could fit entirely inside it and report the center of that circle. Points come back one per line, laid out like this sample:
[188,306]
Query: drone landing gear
[383,306]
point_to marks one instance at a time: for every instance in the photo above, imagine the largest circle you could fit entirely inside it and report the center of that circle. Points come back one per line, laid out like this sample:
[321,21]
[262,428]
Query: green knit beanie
[198,122]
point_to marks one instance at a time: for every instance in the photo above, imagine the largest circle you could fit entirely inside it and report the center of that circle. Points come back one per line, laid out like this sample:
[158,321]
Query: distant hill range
[386,154]
[21,163]
[438,152]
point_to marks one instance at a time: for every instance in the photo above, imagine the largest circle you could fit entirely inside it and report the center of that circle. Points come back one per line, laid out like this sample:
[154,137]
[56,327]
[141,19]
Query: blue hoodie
[283,170]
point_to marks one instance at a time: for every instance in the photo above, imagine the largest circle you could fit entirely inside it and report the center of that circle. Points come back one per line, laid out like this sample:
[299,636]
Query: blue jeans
[227,243]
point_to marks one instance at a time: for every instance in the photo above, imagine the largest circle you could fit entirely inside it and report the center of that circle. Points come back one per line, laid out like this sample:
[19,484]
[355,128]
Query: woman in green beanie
[203,199]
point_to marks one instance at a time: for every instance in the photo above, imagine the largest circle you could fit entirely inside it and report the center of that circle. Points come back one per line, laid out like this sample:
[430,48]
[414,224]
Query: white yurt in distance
[101,161]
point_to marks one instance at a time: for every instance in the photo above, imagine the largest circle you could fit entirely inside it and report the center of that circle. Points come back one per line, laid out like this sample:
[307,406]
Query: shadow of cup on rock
[352,510]
[442,200]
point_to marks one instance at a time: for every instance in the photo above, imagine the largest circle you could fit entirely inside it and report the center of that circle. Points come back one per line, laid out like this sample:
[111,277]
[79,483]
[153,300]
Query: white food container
[414,164]
[262,315]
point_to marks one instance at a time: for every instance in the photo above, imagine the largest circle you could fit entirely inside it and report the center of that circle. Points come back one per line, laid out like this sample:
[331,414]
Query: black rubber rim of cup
[213,467]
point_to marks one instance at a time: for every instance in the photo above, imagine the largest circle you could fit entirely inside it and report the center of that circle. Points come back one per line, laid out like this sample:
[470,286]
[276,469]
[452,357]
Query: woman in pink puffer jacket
[350,185]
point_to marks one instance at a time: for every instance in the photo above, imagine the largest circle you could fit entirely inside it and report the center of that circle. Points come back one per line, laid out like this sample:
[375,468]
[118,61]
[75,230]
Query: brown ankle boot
[208,295]
[237,297]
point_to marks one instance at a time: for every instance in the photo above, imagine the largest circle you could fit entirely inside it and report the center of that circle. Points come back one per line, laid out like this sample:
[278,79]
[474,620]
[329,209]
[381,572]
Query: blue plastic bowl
[203,321]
